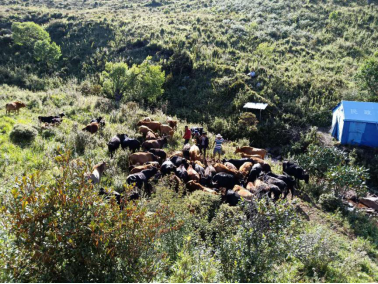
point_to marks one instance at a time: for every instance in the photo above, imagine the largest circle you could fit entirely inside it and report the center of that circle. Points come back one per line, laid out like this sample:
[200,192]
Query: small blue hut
[356,123]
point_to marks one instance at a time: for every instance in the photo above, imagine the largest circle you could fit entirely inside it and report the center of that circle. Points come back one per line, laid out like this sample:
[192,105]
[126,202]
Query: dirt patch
[324,135]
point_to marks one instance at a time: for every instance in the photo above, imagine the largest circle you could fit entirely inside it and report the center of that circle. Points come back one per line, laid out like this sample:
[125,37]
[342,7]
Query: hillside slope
[306,54]
[311,245]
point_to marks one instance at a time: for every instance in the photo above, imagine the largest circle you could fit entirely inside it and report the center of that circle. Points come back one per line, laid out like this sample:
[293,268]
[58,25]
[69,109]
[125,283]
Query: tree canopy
[140,82]
[369,75]
[28,33]
[32,35]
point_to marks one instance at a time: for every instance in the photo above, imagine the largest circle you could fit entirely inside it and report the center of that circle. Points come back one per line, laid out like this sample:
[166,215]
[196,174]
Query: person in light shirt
[218,146]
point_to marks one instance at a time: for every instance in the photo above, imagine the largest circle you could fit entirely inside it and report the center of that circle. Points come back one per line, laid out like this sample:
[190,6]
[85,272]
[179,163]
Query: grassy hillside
[310,246]
[306,54]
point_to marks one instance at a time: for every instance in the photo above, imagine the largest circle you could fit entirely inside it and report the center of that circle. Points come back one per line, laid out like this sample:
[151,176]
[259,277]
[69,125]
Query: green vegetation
[56,228]
[187,59]
[307,56]
[139,83]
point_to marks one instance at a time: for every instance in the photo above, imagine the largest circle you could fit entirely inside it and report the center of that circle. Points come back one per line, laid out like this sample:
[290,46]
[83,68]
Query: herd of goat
[233,179]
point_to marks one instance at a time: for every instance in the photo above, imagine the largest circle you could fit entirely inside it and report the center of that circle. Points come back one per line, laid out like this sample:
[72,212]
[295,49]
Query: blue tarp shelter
[356,123]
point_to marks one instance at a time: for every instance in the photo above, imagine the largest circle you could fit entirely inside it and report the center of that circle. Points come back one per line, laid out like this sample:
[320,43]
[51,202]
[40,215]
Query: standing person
[187,135]
[218,146]
[197,137]
[203,144]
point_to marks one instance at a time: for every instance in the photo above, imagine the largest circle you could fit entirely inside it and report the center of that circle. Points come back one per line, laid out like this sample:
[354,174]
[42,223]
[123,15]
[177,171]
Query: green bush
[64,231]
[343,178]
[28,33]
[318,159]
[23,134]
[330,202]
[315,249]
[260,243]
[122,160]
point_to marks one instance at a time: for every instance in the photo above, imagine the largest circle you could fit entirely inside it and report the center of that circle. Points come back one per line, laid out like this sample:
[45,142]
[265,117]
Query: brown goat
[15,107]
[91,128]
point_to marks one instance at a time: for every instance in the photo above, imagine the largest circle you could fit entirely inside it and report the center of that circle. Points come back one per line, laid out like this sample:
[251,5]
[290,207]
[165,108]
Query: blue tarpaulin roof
[359,111]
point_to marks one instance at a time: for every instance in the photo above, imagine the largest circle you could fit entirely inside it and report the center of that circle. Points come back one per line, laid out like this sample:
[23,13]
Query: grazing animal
[138,169]
[167,167]
[182,173]
[166,130]
[14,106]
[114,144]
[246,168]
[238,162]
[275,181]
[220,168]
[57,119]
[178,161]
[290,182]
[185,151]
[97,173]
[141,179]
[193,175]
[131,143]
[178,154]
[230,166]
[198,168]
[144,130]
[231,197]
[172,123]
[153,125]
[193,186]
[99,120]
[194,153]
[254,173]
[260,188]
[109,195]
[153,163]
[159,152]
[266,168]
[147,119]
[296,171]
[224,180]
[251,151]
[253,157]
[142,158]
[151,136]
[91,128]
[133,195]
[207,178]
[158,143]
[243,192]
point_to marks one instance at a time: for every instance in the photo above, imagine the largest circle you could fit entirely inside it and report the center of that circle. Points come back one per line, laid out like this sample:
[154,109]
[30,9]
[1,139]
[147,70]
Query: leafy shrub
[315,249]
[28,33]
[259,243]
[23,133]
[330,202]
[343,178]
[47,52]
[368,75]
[64,231]
[122,160]
[195,264]
[319,159]
[140,82]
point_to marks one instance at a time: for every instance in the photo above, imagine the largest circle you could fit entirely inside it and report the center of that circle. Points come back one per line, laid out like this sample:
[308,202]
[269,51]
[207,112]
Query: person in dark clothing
[203,144]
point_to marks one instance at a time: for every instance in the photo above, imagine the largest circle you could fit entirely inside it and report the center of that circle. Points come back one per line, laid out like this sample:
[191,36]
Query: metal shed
[260,106]
[356,123]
